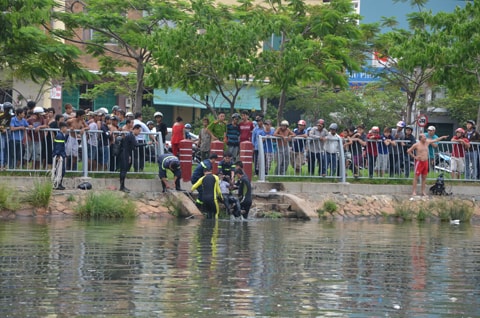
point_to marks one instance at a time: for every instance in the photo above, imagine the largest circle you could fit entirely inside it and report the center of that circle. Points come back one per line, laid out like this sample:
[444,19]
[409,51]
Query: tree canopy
[28,51]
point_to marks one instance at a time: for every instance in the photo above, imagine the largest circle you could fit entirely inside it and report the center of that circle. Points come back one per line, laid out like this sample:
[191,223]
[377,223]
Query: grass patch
[40,195]
[445,210]
[461,211]
[71,198]
[8,199]
[329,206]
[405,212]
[108,205]
[272,215]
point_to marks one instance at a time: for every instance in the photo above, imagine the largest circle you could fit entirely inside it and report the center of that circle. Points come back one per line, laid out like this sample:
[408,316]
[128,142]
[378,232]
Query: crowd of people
[117,141]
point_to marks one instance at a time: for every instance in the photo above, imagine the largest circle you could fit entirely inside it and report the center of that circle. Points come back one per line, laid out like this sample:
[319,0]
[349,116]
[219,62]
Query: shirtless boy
[77,126]
[419,152]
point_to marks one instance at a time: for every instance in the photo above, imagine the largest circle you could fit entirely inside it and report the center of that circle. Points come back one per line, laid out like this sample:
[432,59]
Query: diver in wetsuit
[211,193]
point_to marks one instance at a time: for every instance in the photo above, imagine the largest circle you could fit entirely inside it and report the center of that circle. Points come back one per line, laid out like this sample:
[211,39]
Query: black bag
[117,146]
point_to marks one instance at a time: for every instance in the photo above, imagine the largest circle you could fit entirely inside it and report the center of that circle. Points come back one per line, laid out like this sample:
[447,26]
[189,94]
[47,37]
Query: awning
[247,99]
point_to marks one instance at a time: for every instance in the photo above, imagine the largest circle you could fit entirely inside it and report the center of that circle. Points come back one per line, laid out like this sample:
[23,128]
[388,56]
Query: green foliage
[405,212]
[317,43]
[71,198]
[31,53]
[460,108]
[41,194]
[121,32]
[423,213]
[342,107]
[329,206]
[461,211]
[106,205]
[8,198]
[212,51]
[272,215]
[444,209]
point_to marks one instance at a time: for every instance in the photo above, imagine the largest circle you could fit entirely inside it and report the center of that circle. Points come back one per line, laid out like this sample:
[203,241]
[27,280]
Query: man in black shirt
[161,126]
[244,191]
[129,143]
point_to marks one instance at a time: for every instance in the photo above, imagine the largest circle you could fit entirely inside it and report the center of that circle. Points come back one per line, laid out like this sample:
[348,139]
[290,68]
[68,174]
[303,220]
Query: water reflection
[208,268]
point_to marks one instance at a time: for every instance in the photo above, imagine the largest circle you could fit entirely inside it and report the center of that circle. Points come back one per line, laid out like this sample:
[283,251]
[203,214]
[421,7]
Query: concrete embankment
[291,199]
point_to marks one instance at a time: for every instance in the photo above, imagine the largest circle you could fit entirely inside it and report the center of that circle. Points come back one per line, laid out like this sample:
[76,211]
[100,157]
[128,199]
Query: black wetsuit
[245,194]
[129,143]
[211,192]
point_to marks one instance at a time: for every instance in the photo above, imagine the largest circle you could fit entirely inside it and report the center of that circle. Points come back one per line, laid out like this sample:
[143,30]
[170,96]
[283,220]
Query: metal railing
[92,152]
[87,153]
[317,162]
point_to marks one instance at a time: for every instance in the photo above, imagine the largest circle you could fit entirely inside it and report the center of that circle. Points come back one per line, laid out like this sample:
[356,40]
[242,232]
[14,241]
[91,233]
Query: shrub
[405,211]
[41,194]
[423,213]
[106,205]
[273,215]
[328,206]
[8,200]
[460,210]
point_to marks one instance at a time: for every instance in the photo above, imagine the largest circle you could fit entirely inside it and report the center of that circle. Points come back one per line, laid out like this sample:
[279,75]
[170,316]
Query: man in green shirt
[218,128]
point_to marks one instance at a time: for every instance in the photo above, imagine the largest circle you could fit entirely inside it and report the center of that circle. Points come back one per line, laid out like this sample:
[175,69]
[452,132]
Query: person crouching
[172,163]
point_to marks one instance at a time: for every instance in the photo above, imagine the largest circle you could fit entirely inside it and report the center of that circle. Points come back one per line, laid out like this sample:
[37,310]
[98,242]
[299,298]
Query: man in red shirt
[373,138]
[458,153]
[246,127]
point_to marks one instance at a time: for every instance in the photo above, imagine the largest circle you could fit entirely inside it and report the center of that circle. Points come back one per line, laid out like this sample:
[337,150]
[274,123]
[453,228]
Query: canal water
[259,268]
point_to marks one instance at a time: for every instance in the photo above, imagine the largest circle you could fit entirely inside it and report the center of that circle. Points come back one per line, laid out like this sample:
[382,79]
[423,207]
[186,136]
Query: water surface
[259,268]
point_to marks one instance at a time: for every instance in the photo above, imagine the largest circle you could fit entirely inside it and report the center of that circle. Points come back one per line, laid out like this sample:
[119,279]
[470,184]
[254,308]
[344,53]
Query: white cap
[39,110]
[284,123]
[129,114]
[431,128]
[158,114]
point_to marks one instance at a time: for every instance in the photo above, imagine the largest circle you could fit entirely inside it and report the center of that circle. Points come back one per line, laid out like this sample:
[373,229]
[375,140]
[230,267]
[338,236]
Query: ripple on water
[258,268]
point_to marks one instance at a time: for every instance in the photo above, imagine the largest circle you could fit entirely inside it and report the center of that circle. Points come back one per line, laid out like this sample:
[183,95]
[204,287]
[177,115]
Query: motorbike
[442,162]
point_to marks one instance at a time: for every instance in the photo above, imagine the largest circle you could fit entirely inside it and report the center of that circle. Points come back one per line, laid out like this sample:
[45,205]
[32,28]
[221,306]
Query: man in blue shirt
[172,163]
[18,125]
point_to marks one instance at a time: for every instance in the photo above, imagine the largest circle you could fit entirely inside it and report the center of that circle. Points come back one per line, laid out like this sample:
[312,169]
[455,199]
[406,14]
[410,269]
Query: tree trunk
[410,101]
[478,115]
[137,103]
[281,105]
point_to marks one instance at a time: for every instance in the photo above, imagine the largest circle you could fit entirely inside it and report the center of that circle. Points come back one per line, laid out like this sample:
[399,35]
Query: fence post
[343,177]
[217,148]
[185,156]
[246,156]
[261,159]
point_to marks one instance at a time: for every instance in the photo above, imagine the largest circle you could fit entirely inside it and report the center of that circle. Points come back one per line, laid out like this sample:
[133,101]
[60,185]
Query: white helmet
[39,110]
[102,110]
[333,126]
[158,114]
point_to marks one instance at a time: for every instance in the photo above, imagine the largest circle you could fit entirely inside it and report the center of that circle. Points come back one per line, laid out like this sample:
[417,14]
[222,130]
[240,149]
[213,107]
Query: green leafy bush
[8,199]
[41,194]
[106,205]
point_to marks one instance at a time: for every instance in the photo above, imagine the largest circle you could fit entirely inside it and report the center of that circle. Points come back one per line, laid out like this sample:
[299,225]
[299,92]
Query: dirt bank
[305,205]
